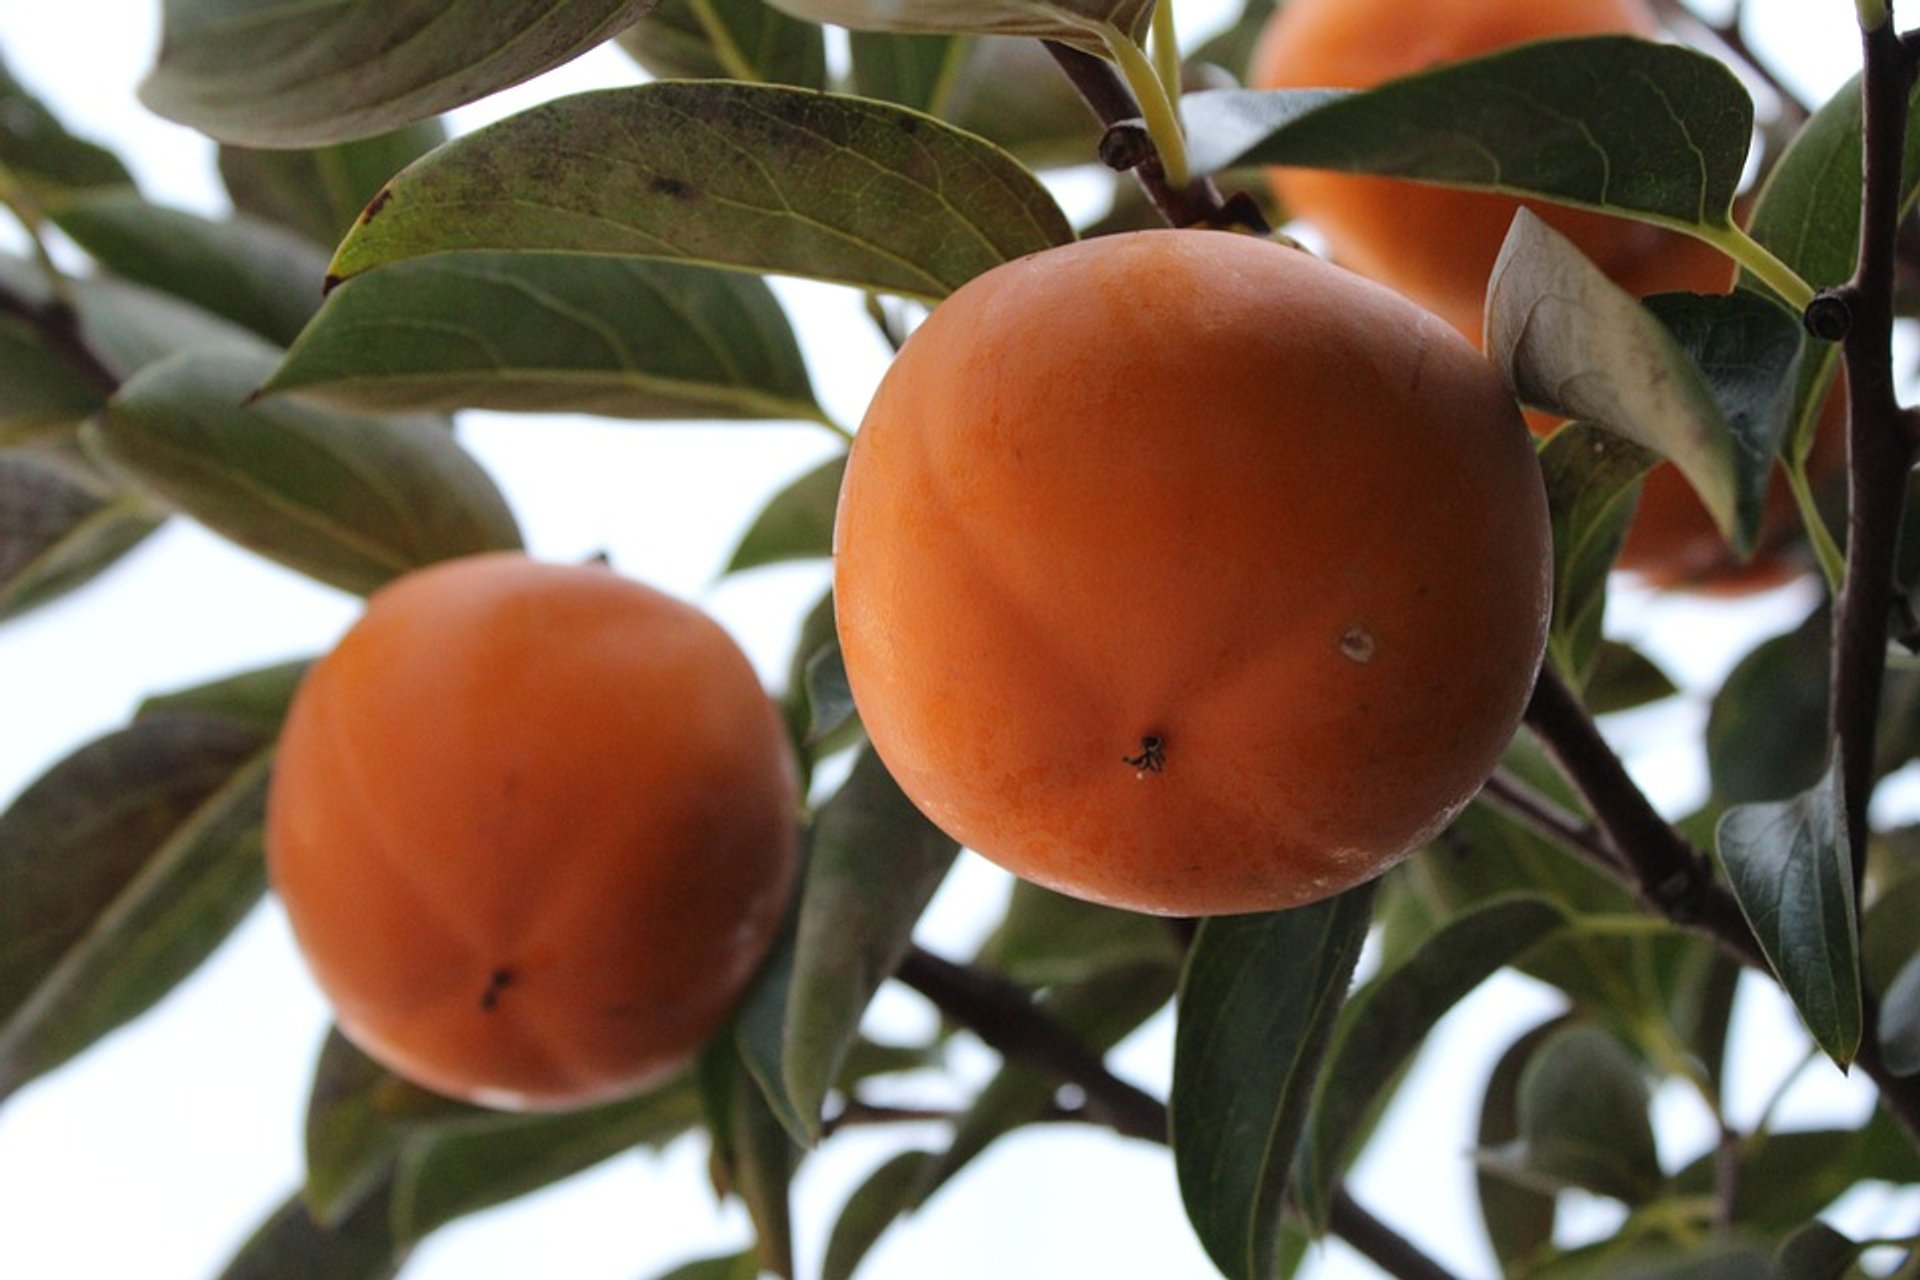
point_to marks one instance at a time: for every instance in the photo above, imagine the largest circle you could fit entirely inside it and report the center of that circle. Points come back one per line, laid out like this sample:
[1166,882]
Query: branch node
[1126,145]
[1829,317]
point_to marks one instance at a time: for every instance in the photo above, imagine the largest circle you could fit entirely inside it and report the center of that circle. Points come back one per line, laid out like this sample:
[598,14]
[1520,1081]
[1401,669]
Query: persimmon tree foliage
[286,377]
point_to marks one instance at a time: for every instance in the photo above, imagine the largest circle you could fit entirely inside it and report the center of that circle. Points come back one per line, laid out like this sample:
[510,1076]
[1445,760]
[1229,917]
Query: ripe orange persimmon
[1435,244]
[534,826]
[1185,572]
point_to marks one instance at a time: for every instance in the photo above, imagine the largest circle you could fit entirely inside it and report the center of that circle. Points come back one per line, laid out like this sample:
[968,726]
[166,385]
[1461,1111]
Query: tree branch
[1879,433]
[1003,1016]
[1126,146]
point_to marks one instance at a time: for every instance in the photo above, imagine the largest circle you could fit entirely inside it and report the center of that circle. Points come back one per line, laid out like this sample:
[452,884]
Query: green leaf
[36,149]
[829,695]
[1047,938]
[552,333]
[1074,21]
[1899,1023]
[1815,1252]
[1572,342]
[319,191]
[1584,1120]
[268,74]
[252,273]
[915,71]
[728,40]
[1621,678]
[753,177]
[1593,480]
[1788,1177]
[259,697]
[60,524]
[1789,866]
[874,1206]
[448,1174]
[732,1266]
[797,524]
[291,1245]
[1646,130]
[1519,1219]
[874,864]
[754,1156]
[125,867]
[1258,1004]
[351,501]
[360,1117]
[1385,1023]
[1767,729]
[1012,93]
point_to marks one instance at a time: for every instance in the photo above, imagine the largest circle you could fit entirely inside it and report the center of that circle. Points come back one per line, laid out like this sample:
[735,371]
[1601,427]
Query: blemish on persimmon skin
[497,983]
[1357,643]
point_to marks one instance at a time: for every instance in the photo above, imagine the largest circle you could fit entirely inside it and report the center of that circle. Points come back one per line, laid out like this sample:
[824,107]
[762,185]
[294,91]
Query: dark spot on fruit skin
[497,982]
[673,188]
[375,205]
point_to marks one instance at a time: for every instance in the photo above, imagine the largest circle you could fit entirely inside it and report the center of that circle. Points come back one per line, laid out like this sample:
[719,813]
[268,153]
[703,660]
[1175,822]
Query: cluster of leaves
[603,254]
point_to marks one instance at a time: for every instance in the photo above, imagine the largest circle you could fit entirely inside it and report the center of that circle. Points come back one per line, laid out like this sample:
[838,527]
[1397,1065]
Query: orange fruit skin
[1434,244]
[534,826]
[1199,488]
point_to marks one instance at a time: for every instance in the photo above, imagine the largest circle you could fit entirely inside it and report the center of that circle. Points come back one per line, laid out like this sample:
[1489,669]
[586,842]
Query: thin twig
[1546,818]
[1380,1243]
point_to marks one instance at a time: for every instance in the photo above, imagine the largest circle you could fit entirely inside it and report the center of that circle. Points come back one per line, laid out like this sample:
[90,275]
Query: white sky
[157,1152]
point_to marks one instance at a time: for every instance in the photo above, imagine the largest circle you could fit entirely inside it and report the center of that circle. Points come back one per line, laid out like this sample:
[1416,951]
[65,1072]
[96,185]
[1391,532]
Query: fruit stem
[1874,14]
[1161,116]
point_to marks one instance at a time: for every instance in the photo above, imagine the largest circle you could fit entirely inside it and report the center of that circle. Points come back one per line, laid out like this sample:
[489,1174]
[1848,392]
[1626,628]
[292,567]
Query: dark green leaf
[1385,1023]
[552,333]
[1767,730]
[1787,1178]
[874,1205]
[257,697]
[915,71]
[1593,480]
[732,1266]
[1815,1252]
[274,75]
[728,40]
[1519,1219]
[59,526]
[1258,1004]
[1572,342]
[1010,92]
[754,1155]
[291,1245]
[449,1174]
[754,177]
[1584,1120]
[797,524]
[252,273]
[1607,122]
[874,864]
[829,696]
[38,151]
[1047,938]
[1788,864]
[1622,678]
[1899,1025]
[349,500]
[1074,21]
[319,192]
[359,1119]
[111,950]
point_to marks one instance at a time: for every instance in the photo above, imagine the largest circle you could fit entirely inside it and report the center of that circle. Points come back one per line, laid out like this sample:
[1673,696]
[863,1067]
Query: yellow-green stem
[1874,14]
[1757,258]
[1156,109]
[1833,562]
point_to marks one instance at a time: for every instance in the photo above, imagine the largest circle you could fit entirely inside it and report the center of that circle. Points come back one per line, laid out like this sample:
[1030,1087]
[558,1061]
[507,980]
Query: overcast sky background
[156,1153]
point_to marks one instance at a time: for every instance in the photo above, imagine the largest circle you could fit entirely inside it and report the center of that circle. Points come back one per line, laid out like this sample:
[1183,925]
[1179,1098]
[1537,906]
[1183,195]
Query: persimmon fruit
[1435,244]
[534,827]
[1185,572]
